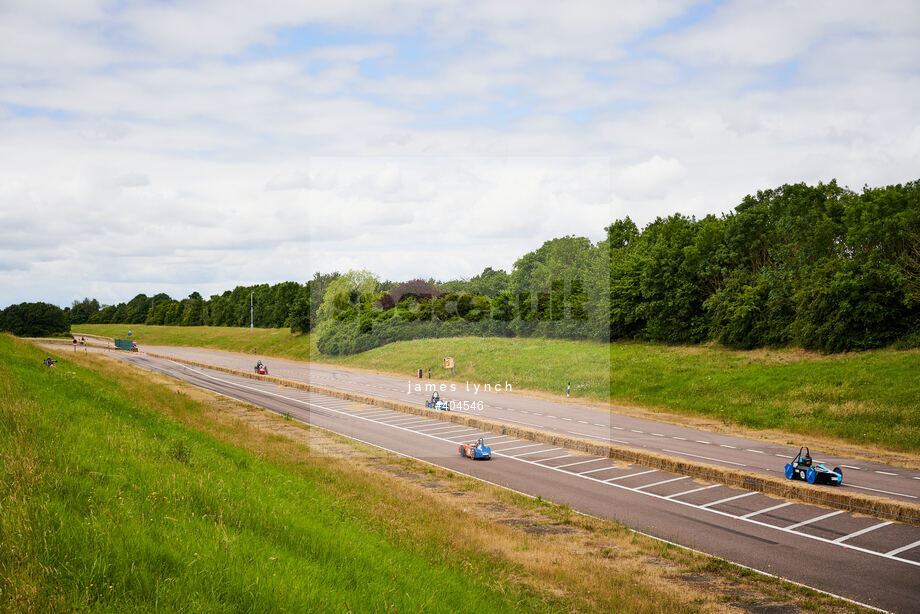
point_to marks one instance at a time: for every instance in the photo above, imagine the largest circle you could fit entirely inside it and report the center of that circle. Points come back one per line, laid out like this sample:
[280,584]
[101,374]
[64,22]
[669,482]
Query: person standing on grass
[74,344]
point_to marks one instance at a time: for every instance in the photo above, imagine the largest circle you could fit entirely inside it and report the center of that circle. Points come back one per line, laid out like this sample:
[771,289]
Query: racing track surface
[693,444]
[876,563]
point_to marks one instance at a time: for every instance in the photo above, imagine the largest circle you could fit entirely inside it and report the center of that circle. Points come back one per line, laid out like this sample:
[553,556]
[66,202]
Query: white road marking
[804,522]
[540,452]
[583,422]
[727,499]
[719,460]
[582,475]
[756,451]
[631,475]
[543,460]
[862,531]
[701,441]
[851,467]
[902,549]
[885,472]
[522,447]
[681,438]
[683,477]
[596,424]
[722,445]
[657,434]
[887,492]
[580,462]
[619,428]
[636,431]
[767,509]
[687,492]
[524,423]
[596,470]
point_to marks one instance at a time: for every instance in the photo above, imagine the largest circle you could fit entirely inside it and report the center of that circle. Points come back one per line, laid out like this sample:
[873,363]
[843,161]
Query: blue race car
[435,402]
[476,451]
[803,468]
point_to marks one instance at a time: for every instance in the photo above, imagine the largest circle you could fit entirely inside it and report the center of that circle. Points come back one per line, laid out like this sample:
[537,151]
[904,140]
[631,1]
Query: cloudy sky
[180,146]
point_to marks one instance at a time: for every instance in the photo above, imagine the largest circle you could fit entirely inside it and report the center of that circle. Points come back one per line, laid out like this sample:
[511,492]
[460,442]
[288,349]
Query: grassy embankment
[863,398]
[125,491]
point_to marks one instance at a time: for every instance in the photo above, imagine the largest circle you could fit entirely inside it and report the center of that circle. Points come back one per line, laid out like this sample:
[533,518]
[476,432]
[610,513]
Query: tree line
[819,267]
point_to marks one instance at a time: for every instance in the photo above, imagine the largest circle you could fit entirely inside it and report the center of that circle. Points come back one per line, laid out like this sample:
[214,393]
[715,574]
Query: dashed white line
[887,492]
[680,438]
[756,451]
[701,441]
[636,431]
[851,467]
[885,472]
[723,445]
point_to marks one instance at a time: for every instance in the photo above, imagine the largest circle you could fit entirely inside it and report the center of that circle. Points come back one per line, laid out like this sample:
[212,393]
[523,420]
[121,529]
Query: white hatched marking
[727,499]
[687,492]
[767,509]
[902,549]
[631,475]
[862,531]
[683,477]
[582,462]
[804,522]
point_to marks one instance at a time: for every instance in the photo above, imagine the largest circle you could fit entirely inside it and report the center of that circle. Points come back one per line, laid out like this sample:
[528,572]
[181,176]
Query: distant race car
[435,402]
[803,468]
[476,451]
[261,369]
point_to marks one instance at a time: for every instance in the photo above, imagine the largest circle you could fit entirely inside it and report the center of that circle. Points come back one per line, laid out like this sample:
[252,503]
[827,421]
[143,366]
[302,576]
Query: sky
[196,146]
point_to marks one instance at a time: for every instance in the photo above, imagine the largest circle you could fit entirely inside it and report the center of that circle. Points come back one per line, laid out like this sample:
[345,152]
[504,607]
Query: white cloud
[199,145]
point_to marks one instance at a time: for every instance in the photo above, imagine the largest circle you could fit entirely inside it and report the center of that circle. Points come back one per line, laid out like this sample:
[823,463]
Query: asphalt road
[693,444]
[873,562]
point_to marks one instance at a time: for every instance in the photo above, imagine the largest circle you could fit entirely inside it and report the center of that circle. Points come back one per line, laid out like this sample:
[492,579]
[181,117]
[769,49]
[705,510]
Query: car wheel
[789,471]
[811,476]
[839,473]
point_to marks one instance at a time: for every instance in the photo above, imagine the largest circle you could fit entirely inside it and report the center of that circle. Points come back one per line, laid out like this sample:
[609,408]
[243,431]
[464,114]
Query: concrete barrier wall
[883,508]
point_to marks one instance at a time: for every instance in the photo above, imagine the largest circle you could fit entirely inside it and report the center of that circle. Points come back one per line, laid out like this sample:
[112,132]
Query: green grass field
[106,504]
[864,398]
